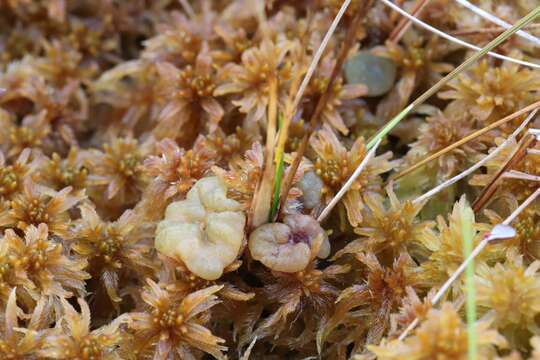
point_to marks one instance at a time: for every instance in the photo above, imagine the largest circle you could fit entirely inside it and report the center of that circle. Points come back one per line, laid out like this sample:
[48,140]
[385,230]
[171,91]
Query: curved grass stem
[524,21]
[454,39]
[466,139]
[467,232]
[479,164]
[494,19]
[477,250]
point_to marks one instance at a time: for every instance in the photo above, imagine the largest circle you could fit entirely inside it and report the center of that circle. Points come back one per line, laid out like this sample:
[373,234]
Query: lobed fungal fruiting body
[291,245]
[205,231]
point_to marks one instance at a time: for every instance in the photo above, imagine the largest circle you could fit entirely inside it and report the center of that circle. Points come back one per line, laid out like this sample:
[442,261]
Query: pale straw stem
[319,53]
[471,257]
[479,164]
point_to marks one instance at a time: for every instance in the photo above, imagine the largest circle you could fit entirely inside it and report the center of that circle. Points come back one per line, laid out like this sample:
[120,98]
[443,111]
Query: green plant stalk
[524,21]
[278,178]
[467,233]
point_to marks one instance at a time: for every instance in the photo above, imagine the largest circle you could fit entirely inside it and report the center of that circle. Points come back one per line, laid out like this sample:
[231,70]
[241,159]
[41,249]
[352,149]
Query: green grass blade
[280,162]
[492,44]
[467,220]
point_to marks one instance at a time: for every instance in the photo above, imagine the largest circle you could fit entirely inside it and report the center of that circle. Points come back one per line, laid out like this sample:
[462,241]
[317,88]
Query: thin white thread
[514,174]
[470,258]
[319,53]
[488,16]
[473,168]
[454,39]
[349,182]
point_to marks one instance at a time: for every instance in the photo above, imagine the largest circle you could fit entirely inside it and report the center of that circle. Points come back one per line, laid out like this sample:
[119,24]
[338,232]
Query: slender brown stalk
[518,155]
[349,40]
[467,139]
[494,30]
[479,164]
[404,23]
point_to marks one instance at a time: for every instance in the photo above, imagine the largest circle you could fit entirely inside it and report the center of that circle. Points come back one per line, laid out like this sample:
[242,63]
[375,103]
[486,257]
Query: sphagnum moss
[113,115]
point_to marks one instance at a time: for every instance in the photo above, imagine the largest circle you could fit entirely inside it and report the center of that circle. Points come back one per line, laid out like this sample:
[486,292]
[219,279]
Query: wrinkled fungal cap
[291,245]
[205,231]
